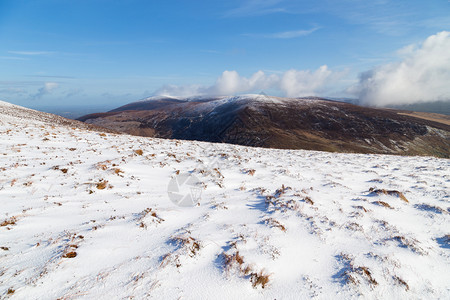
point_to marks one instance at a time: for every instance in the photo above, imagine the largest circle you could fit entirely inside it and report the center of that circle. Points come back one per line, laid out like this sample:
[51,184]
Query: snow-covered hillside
[85,214]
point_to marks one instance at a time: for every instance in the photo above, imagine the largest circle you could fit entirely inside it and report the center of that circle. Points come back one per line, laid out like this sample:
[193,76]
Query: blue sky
[98,52]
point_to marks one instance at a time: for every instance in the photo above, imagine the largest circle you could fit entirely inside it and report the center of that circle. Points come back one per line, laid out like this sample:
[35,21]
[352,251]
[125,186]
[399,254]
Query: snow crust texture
[85,214]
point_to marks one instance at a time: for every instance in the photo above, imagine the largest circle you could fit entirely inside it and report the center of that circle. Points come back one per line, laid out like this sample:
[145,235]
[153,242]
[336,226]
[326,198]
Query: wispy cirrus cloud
[52,76]
[32,53]
[12,91]
[388,17]
[12,58]
[285,34]
[256,8]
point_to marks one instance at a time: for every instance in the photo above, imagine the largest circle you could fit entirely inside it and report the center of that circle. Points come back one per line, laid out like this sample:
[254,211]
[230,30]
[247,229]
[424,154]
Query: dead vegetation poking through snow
[142,216]
[10,221]
[235,262]
[185,246]
[351,274]
[394,193]
[102,184]
[409,243]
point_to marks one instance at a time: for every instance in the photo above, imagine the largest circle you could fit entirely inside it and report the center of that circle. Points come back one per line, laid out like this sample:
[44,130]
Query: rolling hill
[284,123]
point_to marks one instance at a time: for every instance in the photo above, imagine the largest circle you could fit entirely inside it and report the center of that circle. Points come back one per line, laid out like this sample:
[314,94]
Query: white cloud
[285,34]
[12,58]
[230,82]
[32,52]
[180,90]
[48,88]
[255,8]
[423,75]
[296,83]
[292,83]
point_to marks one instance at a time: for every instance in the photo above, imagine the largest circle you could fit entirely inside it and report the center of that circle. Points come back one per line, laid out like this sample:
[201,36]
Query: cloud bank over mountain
[422,75]
[292,83]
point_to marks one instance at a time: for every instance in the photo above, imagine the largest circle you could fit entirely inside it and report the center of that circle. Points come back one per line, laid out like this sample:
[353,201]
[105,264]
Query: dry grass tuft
[218,173]
[102,184]
[360,207]
[382,203]
[251,172]
[431,208]
[274,223]
[117,171]
[189,243]
[139,152]
[144,213]
[232,260]
[10,221]
[364,271]
[309,200]
[402,282]
[259,278]
[70,255]
[350,273]
[280,192]
[411,244]
[389,192]
[237,261]
[184,245]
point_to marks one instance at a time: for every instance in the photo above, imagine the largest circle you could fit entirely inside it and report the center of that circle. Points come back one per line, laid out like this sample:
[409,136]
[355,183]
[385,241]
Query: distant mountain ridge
[311,123]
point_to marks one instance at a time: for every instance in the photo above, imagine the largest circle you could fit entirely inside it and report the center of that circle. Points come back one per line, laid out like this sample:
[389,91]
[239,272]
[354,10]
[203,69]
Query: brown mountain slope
[307,123]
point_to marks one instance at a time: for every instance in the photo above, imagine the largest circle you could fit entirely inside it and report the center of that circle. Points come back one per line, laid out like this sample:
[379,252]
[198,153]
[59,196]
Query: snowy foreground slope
[85,214]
